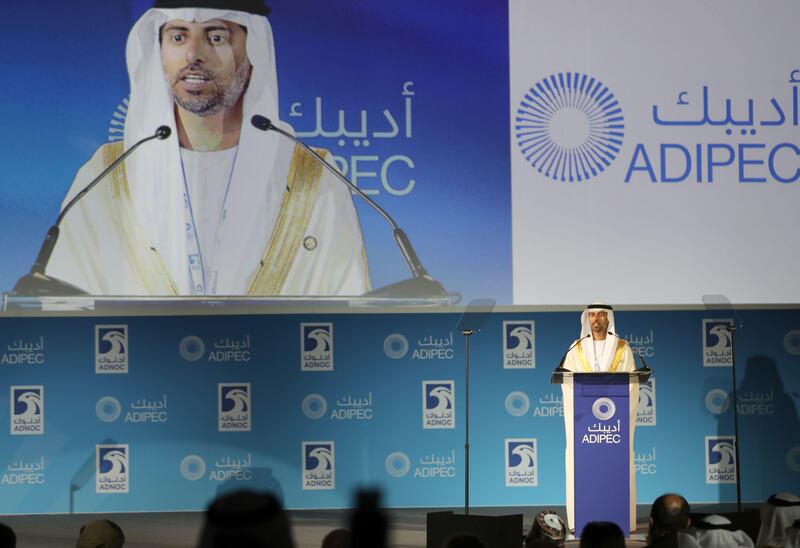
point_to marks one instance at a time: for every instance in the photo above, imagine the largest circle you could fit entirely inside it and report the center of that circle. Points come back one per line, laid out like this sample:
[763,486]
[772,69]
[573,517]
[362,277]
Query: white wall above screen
[713,87]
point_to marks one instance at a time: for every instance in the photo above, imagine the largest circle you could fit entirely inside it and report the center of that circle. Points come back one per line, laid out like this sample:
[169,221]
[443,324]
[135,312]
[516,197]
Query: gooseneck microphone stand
[470,323]
[421,283]
[732,331]
[36,282]
[467,334]
[721,302]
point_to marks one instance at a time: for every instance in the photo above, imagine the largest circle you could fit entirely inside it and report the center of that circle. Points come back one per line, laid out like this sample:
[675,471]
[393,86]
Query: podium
[600,416]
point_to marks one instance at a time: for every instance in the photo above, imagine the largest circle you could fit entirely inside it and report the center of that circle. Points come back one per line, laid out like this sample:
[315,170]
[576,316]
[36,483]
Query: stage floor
[181,529]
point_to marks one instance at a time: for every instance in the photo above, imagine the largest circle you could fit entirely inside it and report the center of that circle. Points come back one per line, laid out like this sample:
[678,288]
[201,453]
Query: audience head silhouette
[7,537]
[602,534]
[100,533]
[246,518]
[668,515]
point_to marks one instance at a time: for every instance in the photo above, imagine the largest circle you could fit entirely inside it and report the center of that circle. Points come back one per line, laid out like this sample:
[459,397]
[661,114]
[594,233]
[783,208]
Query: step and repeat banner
[522,144]
[109,414]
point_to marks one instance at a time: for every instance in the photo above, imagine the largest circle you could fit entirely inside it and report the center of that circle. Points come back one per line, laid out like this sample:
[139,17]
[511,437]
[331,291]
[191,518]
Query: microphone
[421,284]
[36,282]
[644,368]
[560,368]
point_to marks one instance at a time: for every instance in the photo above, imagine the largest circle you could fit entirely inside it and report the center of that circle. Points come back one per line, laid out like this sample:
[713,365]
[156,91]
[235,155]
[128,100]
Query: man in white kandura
[598,350]
[220,208]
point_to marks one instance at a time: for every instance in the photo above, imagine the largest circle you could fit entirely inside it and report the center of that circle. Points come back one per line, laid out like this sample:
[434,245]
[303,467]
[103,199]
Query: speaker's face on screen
[598,320]
[205,64]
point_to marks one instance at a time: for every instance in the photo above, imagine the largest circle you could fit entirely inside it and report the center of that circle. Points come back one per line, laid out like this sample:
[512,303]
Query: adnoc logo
[234,407]
[720,459]
[316,346]
[521,465]
[518,345]
[646,411]
[717,343]
[438,404]
[111,466]
[111,348]
[319,465]
[569,127]
[27,410]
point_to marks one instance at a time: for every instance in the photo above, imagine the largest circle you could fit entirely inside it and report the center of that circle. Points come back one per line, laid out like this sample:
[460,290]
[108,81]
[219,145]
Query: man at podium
[224,208]
[598,350]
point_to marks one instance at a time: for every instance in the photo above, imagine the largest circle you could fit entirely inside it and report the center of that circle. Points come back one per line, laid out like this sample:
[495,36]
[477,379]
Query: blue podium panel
[602,449]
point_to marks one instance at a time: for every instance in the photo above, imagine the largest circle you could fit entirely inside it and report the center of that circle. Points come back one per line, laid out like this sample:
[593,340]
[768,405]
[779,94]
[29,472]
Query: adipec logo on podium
[598,433]
[569,127]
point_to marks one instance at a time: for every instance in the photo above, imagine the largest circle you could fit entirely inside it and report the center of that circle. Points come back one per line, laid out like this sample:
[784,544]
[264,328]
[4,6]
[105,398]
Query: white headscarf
[154,172]
[587,344]
[777,515]
[714,532]
[791,537]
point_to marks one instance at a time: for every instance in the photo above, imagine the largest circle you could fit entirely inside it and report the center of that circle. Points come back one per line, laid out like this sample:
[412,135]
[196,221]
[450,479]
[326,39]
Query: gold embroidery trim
[585,362]
[294,216]
[153,273]
[614,363]
[119,180]
[618,355]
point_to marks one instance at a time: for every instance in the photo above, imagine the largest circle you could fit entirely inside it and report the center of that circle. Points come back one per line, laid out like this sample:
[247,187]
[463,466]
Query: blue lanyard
[195,261]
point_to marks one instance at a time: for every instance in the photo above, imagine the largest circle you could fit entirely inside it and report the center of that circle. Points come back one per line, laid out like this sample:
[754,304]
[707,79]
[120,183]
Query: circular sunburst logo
[108,409]
[603,409]
[314,406]
[569,127]
[116,126]
[517,404]
[398,464]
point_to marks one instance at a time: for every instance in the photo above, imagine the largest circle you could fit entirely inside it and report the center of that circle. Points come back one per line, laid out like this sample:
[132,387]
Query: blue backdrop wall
[137,413]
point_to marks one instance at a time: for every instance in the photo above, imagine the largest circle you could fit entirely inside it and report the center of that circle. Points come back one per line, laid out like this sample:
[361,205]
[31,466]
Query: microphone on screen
[36,282]
[421,284]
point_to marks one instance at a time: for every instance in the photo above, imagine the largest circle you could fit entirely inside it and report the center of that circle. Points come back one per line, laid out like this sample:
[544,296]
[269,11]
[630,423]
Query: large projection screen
[654,151]
[537,153]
